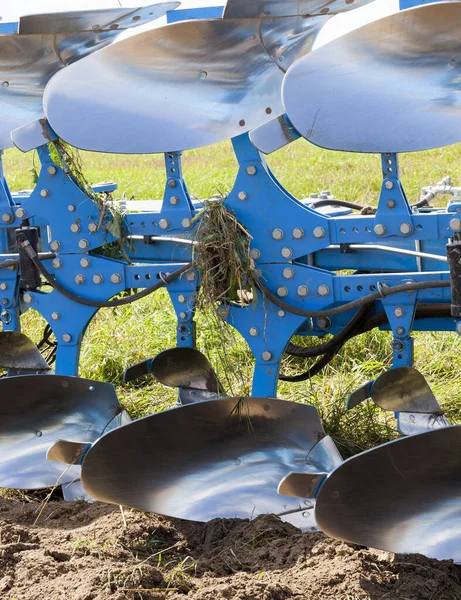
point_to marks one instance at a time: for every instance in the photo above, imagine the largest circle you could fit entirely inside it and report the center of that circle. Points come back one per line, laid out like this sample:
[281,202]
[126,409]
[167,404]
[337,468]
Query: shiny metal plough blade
[403,497]
[219,458]
[267,9]
[35,412]
[274,135]
[19,355]
[413,53]
[404,389]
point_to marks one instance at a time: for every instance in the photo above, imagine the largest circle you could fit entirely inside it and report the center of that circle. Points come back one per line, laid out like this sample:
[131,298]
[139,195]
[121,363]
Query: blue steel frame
[292,247]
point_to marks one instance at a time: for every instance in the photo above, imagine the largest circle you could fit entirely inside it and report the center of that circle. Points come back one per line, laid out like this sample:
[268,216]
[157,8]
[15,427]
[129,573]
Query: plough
[250,72]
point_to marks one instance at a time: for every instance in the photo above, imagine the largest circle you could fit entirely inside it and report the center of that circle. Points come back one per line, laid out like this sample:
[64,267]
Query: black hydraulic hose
[313,371]
[338,310]
[168,278]
[340,203]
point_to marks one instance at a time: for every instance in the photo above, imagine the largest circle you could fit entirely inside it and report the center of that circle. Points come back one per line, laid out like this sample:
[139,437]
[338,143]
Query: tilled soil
[79,551]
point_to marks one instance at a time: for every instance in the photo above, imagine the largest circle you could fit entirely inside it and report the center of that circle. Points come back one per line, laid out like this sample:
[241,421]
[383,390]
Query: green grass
[121,337]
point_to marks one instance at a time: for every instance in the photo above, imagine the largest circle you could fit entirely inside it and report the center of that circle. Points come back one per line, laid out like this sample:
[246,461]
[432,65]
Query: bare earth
[83,552]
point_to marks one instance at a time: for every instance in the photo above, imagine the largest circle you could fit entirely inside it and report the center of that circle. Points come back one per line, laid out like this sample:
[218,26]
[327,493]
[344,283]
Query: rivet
[20,213]
[57,263]
[172,183]
[242,196]
[183,315]
[455,224]
[255,253]
[266,355]
[391,204]
[319,232]
[44,193]
[164,224]
[281,313]
[298,233]
[97,278]
[251,170]
[399,312]
[83,244]
[55,245]
[181,298]
[282,292]
[116,278]
[400,330]
[288,273]
[287,252]
[7,218]
[92,227]
[55,316]
[71,208]
[379,229]
[277,234]
[5,301]
[67,337]
[254,332]
[79,279]
[303,291]
[174,200]
[389,185]
[191,275]
[52,170]
[186,223]
[28,298]
[75,227]
[323,290]
[406,228]
[3,286]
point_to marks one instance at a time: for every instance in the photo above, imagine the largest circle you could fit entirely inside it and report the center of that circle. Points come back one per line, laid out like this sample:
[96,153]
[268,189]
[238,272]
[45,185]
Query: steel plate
[251,9]
[176,87]
[221,458]
[402,497]
[404,390]
[38,410]
[391,86]
[184,368]
[19,353]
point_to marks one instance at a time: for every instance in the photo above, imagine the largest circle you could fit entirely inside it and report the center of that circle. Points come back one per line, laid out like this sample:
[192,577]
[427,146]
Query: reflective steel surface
[301,485]
[184,368]
[28,62]
[221,458]
[402,497]
[19,353]
[181,86]
[248,9]
[38,410]
[274,135]
[404,390]
[413,423]
[391,86]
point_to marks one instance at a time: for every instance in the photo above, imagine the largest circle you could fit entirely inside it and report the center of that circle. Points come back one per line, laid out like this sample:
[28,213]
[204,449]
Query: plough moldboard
[250,72]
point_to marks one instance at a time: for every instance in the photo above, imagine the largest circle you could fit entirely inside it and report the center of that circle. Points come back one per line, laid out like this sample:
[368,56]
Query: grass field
[120,337]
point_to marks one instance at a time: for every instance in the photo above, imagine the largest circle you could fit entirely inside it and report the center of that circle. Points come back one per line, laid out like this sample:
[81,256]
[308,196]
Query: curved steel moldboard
[402,497]
[18,352]
[38,410]
[220,458]
[256,9]
[181,86]
[404,390]
[109,19]
[390,86]
[184,368]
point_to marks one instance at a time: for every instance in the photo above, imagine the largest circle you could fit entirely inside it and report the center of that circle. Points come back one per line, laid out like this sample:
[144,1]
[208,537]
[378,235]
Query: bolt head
[266,355]
[277,234]
[406,228]
[186,223]
[183,315]
[399,312]
[28,298]
[71,208]
[287,252]
[6,317]
[20,213]
[67,338]
[251,170]
[55,245]
[83,244]
[255,254]
[323,290]
[3,286]
[75,227]
[282,291]
[191,275]
[5,301]
[55,316]
[379,229]
[455,224]
[288,273]
[44,193]
[164,224]
[254,332]
[324,322]
[303,291]
[281,313]
[242,196]
[389,185]
[85,262]
[391,204]
[97,278]
[52,170]
[174,200]
[79,279]
[172,183]
[181,298]
[7,218]
[116,278]
[400,330]
[92,227]
[57,263]
[319,232]
[298,233]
